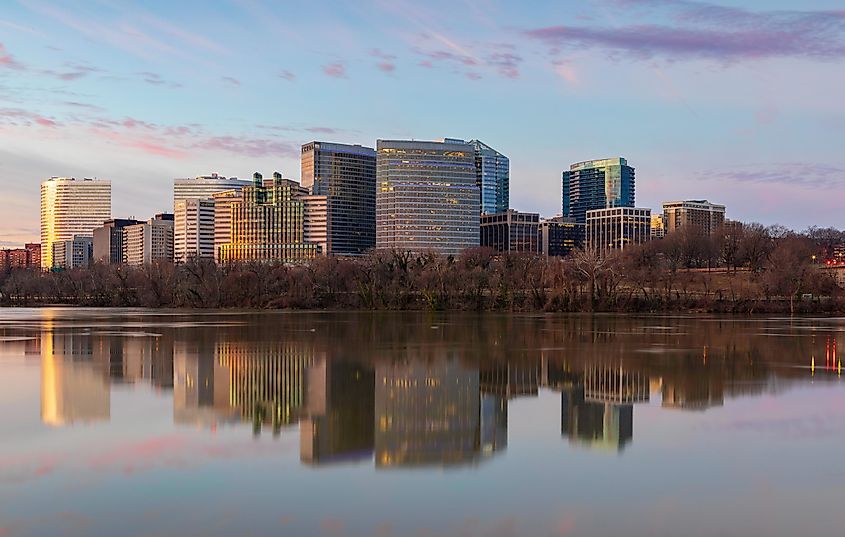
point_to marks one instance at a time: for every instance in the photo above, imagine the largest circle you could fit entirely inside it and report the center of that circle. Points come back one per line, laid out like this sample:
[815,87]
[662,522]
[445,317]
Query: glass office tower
[427,198]
[346,175]
[597,184]
[492,175]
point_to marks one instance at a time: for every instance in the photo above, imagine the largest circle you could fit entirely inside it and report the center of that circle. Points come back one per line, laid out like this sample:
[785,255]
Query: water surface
[154,423]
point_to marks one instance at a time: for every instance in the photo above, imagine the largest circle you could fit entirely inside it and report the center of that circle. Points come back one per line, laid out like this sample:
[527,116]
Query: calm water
[163,423]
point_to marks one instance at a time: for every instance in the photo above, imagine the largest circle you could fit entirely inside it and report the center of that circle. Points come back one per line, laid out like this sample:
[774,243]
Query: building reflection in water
[200,387]
[266,381]
[74,383]
[413,396]
[339,407]
[599,412]
[426,414]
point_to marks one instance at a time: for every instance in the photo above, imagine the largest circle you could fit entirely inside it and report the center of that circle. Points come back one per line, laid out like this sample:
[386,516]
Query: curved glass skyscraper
[492,170]
[426,198]
[597,184]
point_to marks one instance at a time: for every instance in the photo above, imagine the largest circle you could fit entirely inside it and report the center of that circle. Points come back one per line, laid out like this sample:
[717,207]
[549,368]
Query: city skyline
[140,96]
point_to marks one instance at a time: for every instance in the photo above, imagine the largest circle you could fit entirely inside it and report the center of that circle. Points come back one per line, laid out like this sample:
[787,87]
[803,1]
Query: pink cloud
[473,75]
[45,122]
[153,148]
[335,70]
[8,61]
[19,117]
[386,67]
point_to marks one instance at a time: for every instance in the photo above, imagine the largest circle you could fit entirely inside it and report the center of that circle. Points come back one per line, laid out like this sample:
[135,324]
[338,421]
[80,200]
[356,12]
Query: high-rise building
[427,197]
[511,231]
[268,224]
[149,242]
[317,221]
[204,186]
[71,207]
[559,236]
[73,253]
[193,229]
[108,240]
[701,214]
[346,175]
[658,226]
[597,184]
[492,175]
[223,202]
[614,229]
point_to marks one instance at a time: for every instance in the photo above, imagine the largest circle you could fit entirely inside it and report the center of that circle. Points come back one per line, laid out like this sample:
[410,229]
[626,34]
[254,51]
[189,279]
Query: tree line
[738,269]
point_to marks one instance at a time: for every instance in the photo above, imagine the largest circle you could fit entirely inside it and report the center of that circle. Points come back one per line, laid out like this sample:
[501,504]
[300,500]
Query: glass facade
[597,184]
[346,175]
[268,224]
[511,231]
[427,197]
[492,175]
[560,235]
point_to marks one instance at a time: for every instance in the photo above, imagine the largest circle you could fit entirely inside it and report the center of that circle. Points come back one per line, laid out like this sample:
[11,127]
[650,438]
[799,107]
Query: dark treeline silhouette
[740,269]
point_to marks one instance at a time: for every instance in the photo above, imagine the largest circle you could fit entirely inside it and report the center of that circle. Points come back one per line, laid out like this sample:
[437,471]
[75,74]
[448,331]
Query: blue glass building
[492,175]
[597,184]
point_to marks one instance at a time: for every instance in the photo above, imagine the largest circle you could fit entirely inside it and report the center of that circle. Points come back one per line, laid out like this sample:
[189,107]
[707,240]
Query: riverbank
[475,281]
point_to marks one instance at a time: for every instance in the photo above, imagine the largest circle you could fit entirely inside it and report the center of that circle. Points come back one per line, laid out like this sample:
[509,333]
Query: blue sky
[737,102]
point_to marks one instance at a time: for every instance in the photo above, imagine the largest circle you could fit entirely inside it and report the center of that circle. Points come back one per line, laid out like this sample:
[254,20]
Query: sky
[738,102]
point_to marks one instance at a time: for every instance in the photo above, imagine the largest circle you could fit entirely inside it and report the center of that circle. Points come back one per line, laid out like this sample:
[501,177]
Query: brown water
[147,423]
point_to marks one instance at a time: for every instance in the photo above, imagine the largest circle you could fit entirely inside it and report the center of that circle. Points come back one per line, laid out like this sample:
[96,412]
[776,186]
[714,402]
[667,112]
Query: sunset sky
[738,102]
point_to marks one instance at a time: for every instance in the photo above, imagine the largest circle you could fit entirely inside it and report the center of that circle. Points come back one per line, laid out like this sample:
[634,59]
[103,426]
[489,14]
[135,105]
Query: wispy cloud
[155,79]
[805,174]
[706,31]
[230,80]
[287,75]
[24,118]
[335,70]
[507,63]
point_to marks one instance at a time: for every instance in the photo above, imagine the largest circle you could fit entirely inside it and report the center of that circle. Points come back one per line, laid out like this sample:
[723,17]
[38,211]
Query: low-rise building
[28,257]
[559,236]
[511,231]
[74,253]
[700,214]
[109,240]
[618,227]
